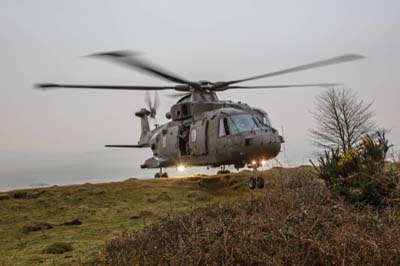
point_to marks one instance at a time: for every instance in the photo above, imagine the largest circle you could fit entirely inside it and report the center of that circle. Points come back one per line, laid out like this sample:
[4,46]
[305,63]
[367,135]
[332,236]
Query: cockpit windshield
[234,124]
[244,122]
[263,121]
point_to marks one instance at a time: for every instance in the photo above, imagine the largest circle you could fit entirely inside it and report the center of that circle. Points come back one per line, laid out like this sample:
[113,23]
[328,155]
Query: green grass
[298,221]
[105,211]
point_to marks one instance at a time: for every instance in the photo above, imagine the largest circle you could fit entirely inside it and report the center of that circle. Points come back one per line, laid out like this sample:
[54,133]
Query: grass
[215,220]
[105,211]
[58,248]
[296,222]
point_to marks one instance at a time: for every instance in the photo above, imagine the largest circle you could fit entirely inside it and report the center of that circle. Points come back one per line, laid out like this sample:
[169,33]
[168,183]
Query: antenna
[286,161]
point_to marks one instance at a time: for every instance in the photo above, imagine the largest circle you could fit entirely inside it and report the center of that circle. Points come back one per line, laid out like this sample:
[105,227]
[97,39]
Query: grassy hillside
[105,210]
[296,222]
[197,221]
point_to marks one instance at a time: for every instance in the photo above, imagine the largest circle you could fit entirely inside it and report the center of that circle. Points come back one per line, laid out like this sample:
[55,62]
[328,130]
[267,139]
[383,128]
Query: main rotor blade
[49,86]
[124,146]
[147,100]
[281,86]
[156,101]
[327,62]
[130,59]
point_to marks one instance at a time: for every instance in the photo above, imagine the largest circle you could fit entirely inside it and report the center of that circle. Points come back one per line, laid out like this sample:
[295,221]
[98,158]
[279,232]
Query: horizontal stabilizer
[125,146]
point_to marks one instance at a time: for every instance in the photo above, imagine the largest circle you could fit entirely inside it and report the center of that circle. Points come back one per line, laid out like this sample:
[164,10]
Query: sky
[58,137]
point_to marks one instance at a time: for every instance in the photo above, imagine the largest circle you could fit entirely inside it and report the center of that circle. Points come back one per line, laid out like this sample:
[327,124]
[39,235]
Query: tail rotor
[152,105]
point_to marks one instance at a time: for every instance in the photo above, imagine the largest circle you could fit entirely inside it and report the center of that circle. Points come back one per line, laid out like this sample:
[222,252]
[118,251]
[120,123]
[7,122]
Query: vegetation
[86,216]
[206,220]
[58,248]
[296,222]
[342,120]
[360,175]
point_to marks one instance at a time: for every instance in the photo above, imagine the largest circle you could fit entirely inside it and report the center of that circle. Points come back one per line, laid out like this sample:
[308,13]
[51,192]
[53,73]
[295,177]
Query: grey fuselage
[197,135]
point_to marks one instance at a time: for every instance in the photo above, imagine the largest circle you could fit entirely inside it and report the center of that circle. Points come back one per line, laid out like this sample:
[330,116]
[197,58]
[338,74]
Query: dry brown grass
[296,222]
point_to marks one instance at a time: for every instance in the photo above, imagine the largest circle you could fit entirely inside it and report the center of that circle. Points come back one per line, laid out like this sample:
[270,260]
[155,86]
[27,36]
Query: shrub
[297,222]
[359,174]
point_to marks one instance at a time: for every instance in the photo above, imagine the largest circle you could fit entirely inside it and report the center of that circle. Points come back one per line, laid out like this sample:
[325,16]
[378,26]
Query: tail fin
[144,135]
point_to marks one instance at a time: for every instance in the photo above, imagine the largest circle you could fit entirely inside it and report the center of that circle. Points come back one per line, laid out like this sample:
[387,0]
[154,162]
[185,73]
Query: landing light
[253,162]
[180,168]
[263,162]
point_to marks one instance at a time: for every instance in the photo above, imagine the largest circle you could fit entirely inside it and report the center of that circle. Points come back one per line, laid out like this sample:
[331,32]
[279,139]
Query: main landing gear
[161,174]
[223,170]
[256,181]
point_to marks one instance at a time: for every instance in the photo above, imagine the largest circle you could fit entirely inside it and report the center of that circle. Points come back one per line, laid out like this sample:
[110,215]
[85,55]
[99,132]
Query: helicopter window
[264,121]
[244,122]
[194,135]
[221,131]
[226,126]
[185,110]
[164,141]
[223,127]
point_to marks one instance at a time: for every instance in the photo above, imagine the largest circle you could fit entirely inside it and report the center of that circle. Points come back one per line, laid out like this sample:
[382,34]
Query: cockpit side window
[224,129]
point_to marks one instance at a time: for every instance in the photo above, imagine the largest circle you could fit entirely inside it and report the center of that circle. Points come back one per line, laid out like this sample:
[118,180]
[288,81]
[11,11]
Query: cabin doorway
[183,139]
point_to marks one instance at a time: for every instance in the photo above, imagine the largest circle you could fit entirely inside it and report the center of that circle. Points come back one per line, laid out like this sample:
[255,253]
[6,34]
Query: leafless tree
[342,119]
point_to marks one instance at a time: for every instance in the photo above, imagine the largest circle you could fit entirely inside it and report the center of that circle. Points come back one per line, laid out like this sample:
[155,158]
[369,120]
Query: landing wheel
[221,172]
[157,175]
[260,182]
[165,175]
[252,183]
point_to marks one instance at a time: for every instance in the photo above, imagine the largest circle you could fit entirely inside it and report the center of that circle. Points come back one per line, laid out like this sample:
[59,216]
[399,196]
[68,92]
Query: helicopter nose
[268,144]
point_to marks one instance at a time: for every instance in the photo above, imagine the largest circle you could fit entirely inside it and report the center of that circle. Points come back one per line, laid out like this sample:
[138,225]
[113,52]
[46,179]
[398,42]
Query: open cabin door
[198,138]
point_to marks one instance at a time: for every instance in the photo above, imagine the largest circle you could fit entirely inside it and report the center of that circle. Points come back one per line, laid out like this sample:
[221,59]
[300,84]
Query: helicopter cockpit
[239,123]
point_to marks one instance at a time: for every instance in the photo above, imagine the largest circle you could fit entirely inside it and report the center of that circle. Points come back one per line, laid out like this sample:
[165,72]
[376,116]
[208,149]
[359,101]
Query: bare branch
[342,119]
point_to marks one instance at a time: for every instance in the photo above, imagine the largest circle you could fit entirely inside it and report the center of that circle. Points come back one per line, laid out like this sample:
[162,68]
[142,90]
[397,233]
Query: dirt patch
[217,182]
[20,195]
[27,195]
[197,196]
[159,198]
[58,248]
[36,227]
[4,197]
[141,214]
[96,193]
[211,183]
[72,222]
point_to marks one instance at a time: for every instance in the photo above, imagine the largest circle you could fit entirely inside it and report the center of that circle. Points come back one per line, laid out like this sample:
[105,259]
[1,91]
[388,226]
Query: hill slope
[105,210]
[296,222]
[197,221]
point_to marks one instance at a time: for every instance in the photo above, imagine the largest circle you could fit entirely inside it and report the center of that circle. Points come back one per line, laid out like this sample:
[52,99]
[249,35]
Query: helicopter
[203,130]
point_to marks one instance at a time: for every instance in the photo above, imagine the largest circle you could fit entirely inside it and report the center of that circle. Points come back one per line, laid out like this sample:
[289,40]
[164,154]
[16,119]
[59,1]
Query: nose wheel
[161,174]
[223,170]
[256,181]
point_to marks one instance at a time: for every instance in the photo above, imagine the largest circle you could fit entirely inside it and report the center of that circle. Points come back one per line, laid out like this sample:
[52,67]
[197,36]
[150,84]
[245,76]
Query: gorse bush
[359,174]
[296,222]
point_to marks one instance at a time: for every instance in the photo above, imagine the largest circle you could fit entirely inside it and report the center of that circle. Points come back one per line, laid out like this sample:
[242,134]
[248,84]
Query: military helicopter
[203,130]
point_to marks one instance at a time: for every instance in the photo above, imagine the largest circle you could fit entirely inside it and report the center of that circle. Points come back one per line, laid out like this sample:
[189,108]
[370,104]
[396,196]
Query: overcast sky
[57,137]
